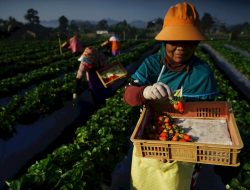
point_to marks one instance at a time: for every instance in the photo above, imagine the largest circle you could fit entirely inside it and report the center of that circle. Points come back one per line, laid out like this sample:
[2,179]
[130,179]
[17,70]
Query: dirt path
[238,80]
[242,52]
[208,180]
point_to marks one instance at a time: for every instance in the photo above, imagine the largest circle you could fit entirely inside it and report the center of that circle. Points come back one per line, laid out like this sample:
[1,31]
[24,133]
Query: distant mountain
[55,23]
[111,21]
[50,23]
[138,24]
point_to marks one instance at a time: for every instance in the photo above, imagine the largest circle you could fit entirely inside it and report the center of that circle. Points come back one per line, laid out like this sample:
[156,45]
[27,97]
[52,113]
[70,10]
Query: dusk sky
[227,11]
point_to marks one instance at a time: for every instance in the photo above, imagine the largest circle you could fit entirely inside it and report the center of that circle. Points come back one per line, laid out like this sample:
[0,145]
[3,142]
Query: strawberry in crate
[110,77]
[177,101]
[169,130]
[164,128]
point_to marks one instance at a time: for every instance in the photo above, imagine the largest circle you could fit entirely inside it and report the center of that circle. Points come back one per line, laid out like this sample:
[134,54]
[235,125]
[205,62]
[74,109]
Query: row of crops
[237,60]
[50,95]
[99,144]
[235,178]
[52,86]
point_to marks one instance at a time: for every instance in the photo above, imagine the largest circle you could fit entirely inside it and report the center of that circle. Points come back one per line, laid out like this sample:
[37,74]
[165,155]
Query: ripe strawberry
[168,126]
[163,136]
[187,137]
[182,140]
[179,106]
[175,138]
[160,120]
[166,120]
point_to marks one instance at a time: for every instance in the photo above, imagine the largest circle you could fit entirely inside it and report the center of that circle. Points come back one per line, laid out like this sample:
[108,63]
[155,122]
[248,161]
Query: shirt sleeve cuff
[133,95]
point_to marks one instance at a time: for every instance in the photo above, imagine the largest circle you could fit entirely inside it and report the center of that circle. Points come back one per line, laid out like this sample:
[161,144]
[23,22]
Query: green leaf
[246,166]
[246,179]
[234,183]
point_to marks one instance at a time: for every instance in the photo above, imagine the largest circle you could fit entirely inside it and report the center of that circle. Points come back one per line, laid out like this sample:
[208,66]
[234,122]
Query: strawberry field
[36,81]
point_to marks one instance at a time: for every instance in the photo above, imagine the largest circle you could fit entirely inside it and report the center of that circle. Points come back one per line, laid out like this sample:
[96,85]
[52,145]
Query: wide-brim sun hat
[181,23]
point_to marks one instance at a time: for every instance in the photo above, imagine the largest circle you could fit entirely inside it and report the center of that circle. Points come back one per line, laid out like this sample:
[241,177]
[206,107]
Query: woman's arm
[83,67]
[133,95]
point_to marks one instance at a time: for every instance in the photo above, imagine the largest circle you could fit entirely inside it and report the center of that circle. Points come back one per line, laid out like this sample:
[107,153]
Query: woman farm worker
[114,43]
[92,60]
[179,67]
[74,45]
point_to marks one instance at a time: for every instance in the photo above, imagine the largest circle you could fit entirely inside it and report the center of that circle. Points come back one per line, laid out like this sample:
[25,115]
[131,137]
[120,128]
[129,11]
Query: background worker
[173,67]
[74,45]
[90,61]
[113,43]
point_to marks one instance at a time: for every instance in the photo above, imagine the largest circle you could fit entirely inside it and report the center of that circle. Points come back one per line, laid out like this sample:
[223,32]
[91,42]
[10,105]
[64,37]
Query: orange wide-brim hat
[181,23]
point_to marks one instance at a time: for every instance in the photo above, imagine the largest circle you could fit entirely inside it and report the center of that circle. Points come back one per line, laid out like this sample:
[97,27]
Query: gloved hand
[158,90]
[75,99]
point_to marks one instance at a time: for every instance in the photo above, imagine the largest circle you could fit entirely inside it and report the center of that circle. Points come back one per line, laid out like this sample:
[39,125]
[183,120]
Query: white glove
[159,90]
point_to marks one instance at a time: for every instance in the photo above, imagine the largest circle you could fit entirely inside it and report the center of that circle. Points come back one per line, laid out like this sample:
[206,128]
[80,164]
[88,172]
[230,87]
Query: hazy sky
[227,11]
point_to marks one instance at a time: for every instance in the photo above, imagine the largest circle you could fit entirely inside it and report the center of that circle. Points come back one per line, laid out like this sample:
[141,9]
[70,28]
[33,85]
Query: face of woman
[180,51]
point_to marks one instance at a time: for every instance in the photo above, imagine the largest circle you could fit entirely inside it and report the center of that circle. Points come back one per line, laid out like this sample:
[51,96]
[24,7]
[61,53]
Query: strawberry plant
[102,142]
[235,178]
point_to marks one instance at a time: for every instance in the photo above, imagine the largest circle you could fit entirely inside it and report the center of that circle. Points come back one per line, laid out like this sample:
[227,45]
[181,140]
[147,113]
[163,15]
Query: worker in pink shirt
[74,45]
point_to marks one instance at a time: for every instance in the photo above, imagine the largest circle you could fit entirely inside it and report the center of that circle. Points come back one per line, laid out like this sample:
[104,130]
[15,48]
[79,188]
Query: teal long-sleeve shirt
[198,83]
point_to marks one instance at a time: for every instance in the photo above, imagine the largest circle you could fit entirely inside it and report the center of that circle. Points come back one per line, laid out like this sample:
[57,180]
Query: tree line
[66,28]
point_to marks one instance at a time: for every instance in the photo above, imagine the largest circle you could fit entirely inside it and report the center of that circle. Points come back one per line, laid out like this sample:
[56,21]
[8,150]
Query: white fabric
[80,59]
[209,131]
[158,90]
[113,38]
[75,99]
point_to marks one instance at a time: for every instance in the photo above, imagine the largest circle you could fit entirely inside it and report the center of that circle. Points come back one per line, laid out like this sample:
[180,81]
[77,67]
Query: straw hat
[181,22]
